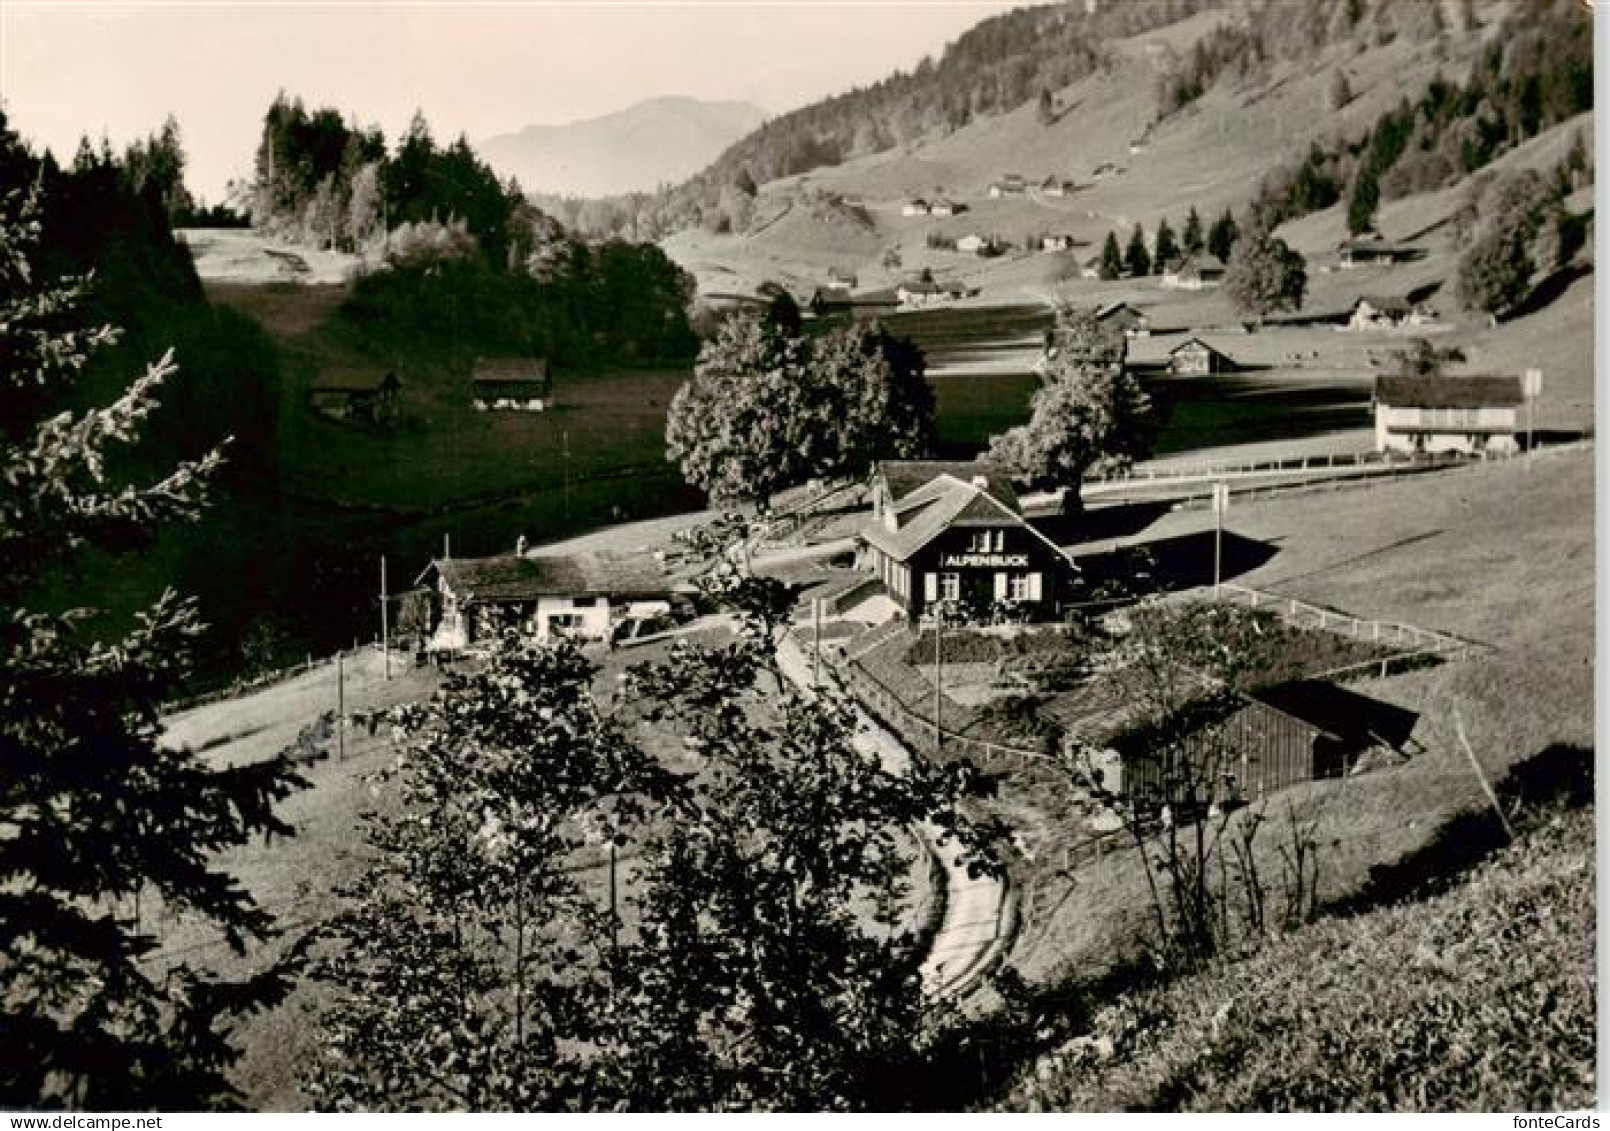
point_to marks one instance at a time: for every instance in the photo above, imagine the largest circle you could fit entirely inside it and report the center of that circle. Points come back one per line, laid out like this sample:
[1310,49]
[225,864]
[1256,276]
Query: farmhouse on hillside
[1194,272]
[1194,356]
[922,292]
[914,207]
[1370,251]
[1375,312]
[1130,319]
[519,384]
[1056,242]
[1011,184]
[956,532]
[827,302]
[974,244]
[580,596]
[355,394]
[941,207]
[1470,415]
[1056,186]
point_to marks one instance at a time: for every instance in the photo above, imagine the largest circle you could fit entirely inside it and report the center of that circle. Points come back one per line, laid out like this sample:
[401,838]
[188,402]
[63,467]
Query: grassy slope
[1496,553]
[1491,990]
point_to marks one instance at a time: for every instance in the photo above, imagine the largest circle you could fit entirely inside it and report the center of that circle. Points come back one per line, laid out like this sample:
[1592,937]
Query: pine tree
[1362,201]
[1165,249]
[105,825]
[1222,236]
[1047,109]
[1192,238]
[1137,261]
[1112,260]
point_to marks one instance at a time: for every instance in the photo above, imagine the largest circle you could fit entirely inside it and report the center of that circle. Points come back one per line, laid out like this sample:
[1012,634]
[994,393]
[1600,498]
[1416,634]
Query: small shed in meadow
[355,394]
[519,384]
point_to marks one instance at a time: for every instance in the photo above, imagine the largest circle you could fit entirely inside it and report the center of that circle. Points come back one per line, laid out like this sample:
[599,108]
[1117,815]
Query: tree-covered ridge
[997,66]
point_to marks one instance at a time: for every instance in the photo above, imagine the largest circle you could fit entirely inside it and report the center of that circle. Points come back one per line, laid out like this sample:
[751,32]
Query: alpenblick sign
[984,561]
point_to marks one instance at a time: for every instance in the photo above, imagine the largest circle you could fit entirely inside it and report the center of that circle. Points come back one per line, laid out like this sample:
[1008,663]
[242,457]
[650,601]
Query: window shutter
[1034,587]
[1000,586]
[930,587]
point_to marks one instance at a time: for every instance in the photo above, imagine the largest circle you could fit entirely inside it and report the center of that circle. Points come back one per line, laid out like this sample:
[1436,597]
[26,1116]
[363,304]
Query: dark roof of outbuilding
[1497,391]
[510,371]
[511,577]
[346,380]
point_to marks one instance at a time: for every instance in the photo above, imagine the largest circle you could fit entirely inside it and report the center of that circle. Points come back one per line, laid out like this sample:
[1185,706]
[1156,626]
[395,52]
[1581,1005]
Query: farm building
[1193,356]
[974,244]
[927,292]
[1056,242]
[842,277]
[1194,272]
[1465,414]
[518,384]
[1130,319]
[914,207]
[942,207]
[1374,312]
[355,394]
[1370,252]
[955,532]
[827,302]
[1055,186]
[1011,184]
[1245,747]
[582,596]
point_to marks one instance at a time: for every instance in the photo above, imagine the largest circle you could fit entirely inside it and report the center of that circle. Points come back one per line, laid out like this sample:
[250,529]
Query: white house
[927,292]
[1194,272]
[1373,312]
[581,595]
[1468,415]
[973,244]
[916,207]
[1055,242]
[941,207]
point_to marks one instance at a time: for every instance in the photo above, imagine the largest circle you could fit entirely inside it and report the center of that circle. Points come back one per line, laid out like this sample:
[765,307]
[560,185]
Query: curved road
[971,931]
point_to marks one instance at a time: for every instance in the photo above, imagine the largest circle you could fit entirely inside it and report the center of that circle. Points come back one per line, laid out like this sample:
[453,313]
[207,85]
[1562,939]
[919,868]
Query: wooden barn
[1245,747]
[1464,414]
[1194,356]
[518,384]
[355,394]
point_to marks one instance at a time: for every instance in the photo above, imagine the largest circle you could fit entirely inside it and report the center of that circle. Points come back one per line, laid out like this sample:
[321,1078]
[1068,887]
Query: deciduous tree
[1264,275]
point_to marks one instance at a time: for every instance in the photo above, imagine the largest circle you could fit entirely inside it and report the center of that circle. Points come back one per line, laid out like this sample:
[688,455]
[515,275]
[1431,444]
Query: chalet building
[1055,186]
[942,207]
[914,207]
[955,532]
[840,277]
[355,394]
[1193,356]
[828,302]
[1056,242]
[916,293]
[1194,273]
[580,596]
[974,244]
[1132,320]
[1139,144]
[513,384]
[1011,184]
[1467,415]
[1376,312]
[1371,252]
[1105,169]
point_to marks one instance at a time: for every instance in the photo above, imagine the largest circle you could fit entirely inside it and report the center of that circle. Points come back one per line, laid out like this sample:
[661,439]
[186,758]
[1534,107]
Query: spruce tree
[1222,236]
[1136,259]
[1192,238]
[106,827]
[1112,260]
[1166,250]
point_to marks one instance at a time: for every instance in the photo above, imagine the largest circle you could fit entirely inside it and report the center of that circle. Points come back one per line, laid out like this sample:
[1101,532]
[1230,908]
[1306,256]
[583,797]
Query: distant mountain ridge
[632,150]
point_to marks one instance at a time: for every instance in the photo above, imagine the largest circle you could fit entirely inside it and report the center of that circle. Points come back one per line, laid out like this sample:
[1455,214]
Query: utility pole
[385,621]
[816,638]
[939,680]
[1532,388]
[340,707]
[1221,503]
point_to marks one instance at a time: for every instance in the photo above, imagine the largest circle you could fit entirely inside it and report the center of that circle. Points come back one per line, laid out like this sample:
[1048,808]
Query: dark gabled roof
[1488,391]
[904,477]
[1202,262]
[825,295]
[1195,341]
[1372,247]
[1386,304]
[510,371]
[953,502]
[1112,308]
[512,577]
[1340,712]
[343,380]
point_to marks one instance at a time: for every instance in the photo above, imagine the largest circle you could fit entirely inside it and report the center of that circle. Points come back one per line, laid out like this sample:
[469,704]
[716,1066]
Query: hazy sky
[119,68]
